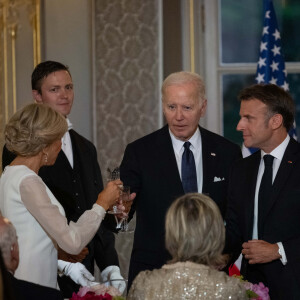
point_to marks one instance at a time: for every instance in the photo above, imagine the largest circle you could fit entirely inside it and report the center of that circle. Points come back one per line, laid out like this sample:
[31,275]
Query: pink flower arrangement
[261,291]
[97,292]
[255,291]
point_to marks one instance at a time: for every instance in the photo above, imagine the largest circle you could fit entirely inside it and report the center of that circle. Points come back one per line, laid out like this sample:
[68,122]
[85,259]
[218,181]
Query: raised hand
[110,194]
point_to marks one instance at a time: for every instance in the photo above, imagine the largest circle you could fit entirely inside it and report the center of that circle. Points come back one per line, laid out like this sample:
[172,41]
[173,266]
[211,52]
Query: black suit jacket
[149,167]
[25,290]
[78,196]
[281,224]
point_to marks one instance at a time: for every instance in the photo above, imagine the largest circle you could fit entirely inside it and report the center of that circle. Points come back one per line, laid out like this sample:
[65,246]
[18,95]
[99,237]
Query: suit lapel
[79,152]
[289,158]
[81,164]
[167,160]
[62,161]
[75,144]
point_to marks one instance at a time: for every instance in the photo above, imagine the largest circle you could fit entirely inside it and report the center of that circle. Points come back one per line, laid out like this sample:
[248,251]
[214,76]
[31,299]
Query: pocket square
[216,179]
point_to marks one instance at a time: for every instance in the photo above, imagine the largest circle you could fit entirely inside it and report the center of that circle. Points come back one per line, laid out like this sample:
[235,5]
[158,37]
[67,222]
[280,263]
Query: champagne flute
[126,201]
[114,175]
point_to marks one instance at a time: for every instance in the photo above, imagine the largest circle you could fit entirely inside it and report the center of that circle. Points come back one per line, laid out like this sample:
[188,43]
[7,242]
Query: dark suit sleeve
[109,221]
[105,252]
[97,171]
[238,153]
[104,241]
[233,244]
[234,155]
[292,250]
[7,157]
[131,174]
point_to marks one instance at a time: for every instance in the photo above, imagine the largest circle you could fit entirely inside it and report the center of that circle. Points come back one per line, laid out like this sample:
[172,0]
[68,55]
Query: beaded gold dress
[186,280]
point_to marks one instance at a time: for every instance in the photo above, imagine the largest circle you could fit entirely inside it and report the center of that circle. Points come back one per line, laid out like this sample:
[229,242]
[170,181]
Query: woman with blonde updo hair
[34,134]
[32,129]
[195,237]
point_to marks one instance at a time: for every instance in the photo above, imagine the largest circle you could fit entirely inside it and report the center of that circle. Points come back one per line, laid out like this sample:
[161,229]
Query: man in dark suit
[75,178]
[263,212]
[13,287]
[155,167]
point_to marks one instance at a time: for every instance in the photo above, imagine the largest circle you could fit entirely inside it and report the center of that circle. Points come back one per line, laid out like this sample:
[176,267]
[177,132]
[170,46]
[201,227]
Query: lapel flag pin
[213,154]
[290,162]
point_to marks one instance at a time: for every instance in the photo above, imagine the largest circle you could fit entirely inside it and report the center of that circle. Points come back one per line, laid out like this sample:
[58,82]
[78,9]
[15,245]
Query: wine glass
[114,175]
[126,201]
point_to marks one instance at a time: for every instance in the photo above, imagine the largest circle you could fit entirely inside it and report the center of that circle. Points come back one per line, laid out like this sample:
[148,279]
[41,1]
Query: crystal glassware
[126,201]
[114,175]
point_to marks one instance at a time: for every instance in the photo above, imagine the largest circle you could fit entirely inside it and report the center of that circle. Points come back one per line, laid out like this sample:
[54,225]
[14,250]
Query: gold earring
[45,158]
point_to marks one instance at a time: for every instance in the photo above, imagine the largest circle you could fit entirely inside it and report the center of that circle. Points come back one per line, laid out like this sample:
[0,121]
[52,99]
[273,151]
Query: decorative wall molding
[11,26]
[126,64]
[128,74]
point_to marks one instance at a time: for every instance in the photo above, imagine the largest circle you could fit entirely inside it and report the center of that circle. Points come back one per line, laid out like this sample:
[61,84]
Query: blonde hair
[184,77]
[195,230]
[33,128]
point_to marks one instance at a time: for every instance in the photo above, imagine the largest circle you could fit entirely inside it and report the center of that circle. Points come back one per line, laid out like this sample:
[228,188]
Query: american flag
[271,66]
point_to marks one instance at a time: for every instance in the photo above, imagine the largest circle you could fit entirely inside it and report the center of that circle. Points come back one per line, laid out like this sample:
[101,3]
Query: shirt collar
[278,152]
[178,144]
[70,125]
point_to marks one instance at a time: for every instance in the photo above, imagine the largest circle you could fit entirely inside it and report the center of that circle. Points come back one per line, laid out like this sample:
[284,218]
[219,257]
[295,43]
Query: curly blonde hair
[195,230]
[33,128]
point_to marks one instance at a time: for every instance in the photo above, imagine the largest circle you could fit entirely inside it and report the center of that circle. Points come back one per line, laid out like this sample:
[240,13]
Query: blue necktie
[188,170]
[265,192]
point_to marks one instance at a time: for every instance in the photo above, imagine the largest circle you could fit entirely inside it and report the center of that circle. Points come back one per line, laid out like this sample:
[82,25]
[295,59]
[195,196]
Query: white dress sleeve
[72,237]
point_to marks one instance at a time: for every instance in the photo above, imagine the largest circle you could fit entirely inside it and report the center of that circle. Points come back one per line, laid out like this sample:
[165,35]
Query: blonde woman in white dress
[34,135]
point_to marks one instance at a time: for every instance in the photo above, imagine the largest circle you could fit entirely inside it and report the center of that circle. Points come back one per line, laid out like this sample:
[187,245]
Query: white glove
[110,275]
[77,272]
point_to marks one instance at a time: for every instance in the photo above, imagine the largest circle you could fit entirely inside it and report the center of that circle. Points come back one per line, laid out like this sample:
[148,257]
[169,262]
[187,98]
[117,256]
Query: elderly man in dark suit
[13,287]
[263,217]
[181,157]
[75,178]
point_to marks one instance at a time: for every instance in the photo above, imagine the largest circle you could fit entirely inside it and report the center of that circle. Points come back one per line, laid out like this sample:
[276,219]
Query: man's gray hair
[183,77]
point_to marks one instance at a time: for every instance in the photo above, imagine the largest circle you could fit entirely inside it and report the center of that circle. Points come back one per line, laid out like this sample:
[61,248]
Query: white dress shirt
[66,144]
[277,153]
[196,148]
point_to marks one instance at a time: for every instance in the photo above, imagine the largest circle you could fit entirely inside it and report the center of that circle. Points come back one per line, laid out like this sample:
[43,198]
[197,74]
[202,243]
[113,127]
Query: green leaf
[251,295]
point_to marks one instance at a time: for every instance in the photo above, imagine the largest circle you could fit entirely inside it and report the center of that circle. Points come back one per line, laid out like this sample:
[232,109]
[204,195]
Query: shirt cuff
[99,210]
[283,256]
